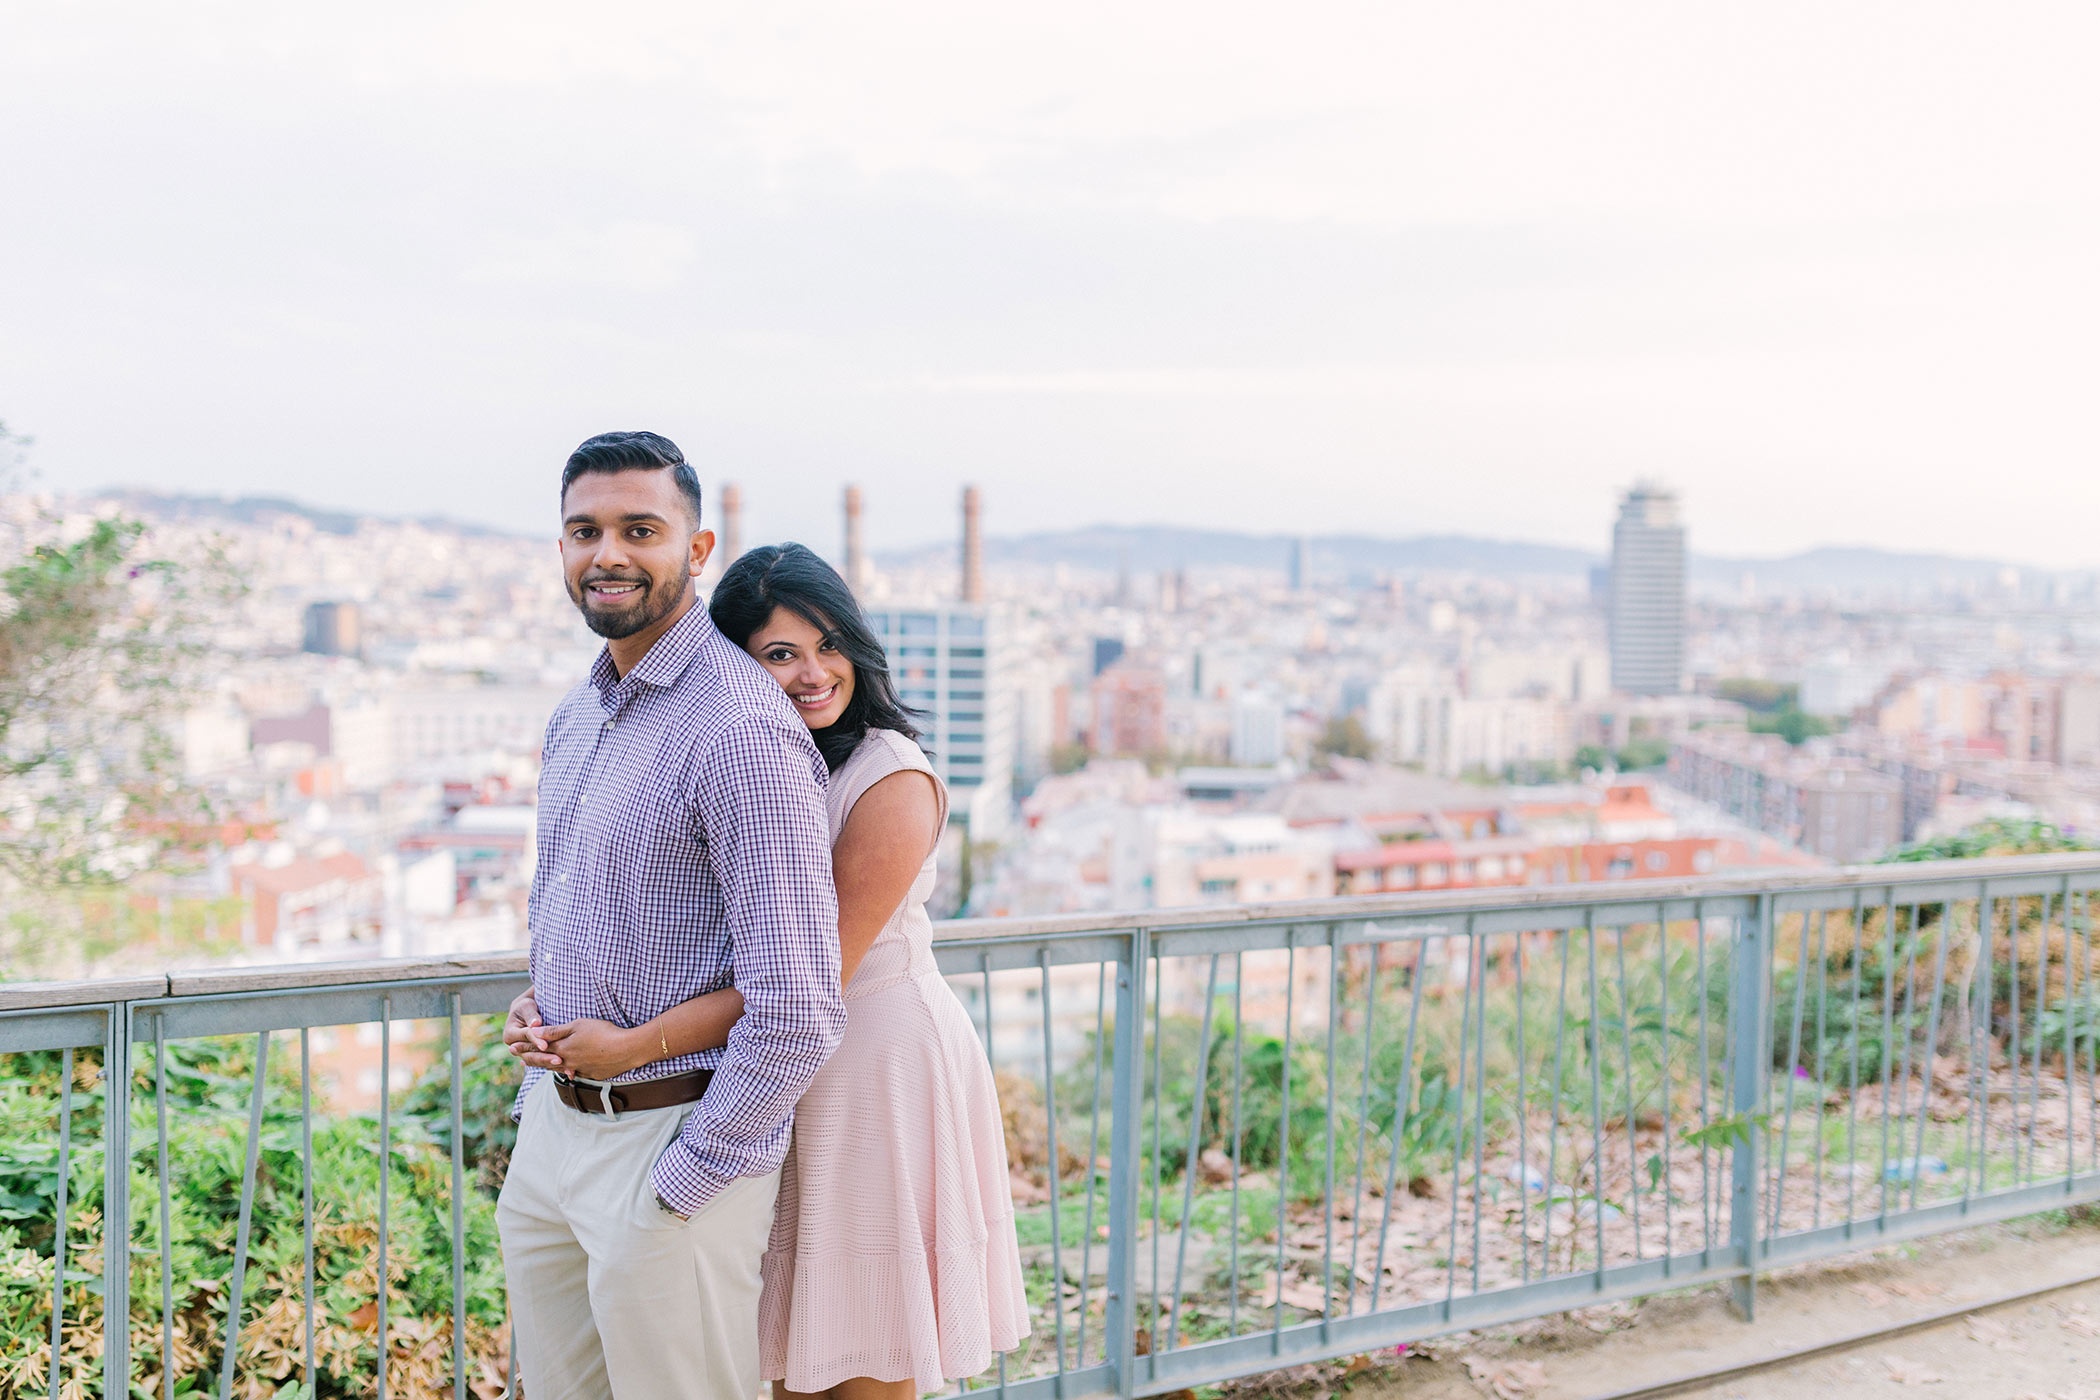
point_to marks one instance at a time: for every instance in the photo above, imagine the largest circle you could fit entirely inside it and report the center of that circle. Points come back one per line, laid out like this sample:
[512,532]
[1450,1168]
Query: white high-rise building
[945,663]
[1647,606]
[1257,729]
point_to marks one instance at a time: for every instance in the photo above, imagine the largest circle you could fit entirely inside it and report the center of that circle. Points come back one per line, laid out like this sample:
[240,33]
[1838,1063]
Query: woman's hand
[590,1049]
[522,1028]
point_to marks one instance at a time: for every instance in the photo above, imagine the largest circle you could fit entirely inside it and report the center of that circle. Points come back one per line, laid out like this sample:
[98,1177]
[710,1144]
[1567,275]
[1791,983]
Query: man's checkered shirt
[683,847]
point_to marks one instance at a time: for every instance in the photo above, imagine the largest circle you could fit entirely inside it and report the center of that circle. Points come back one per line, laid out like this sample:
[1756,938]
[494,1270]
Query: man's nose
[611,552]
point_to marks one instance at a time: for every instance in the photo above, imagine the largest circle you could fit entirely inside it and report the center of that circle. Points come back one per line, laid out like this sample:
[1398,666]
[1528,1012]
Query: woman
[893,1265]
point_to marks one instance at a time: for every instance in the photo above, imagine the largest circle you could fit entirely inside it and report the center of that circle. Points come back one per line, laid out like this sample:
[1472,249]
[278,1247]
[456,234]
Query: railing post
[116,1203]
[1119,1316]
[1750,1072]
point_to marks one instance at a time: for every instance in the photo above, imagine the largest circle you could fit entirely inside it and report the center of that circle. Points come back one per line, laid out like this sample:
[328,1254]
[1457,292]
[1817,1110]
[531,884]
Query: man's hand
[522,1029]
[591,1049]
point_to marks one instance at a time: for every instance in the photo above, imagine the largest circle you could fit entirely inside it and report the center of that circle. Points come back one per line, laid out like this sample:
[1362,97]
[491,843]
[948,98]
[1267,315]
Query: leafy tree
[101,641]
[1594,757]
[1762,696]
[1997,837]
[1345,737]
[1643,753]
[1795,726]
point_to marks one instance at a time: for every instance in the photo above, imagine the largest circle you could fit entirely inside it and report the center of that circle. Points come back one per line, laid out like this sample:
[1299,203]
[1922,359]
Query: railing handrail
[222,981]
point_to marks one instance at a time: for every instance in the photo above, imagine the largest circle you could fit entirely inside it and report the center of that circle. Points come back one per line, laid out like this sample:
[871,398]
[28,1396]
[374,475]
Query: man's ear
[703,545]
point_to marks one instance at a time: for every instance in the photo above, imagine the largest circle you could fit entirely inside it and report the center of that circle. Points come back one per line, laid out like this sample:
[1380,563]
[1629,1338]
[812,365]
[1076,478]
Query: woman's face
[815,674]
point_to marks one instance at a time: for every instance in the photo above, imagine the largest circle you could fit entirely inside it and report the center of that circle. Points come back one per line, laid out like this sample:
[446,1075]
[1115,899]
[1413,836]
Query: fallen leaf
[1305,1294]
[1991,1333]
[1904,1371]
[2081,1326]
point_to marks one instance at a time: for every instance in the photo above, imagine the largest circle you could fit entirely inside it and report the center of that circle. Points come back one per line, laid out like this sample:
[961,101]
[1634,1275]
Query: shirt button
[561,879]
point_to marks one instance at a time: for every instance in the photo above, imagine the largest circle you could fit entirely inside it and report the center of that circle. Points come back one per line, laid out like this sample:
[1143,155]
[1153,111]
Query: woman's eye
[780,658]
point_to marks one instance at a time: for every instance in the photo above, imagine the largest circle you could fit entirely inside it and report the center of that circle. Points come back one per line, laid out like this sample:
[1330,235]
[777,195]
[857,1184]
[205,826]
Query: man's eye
[643,533]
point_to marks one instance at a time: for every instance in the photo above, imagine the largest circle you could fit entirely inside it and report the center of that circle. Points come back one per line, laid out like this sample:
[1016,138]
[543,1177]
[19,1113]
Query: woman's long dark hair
[792,576]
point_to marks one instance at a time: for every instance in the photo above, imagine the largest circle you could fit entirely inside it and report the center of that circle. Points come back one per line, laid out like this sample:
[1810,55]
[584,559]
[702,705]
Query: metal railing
[1242,1138]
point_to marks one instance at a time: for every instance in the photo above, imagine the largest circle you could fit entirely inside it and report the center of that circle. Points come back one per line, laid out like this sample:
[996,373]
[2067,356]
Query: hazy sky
[1832,269]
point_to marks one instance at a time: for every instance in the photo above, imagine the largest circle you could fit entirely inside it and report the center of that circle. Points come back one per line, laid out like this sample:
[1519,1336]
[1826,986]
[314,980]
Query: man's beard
[646,607]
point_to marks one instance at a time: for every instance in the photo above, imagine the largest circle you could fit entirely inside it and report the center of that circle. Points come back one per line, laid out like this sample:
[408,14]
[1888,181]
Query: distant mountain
[1851,569]
[1152,548]
[249,510]
[1831,569]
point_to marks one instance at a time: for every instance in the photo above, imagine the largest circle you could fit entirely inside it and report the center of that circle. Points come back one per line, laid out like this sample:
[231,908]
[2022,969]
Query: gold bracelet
[665,1043]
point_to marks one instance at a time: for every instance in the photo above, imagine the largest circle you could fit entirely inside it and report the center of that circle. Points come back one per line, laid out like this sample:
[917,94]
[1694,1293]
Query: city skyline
[937,536]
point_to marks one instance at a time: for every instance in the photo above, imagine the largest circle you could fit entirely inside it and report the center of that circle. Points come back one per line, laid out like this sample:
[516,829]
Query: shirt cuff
[680,1180]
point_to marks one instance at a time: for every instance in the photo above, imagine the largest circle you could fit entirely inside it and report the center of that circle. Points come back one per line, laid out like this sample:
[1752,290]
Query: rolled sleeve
[759,802]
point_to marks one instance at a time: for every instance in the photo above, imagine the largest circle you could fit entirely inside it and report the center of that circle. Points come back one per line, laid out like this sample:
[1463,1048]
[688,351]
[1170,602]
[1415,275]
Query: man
[683,847]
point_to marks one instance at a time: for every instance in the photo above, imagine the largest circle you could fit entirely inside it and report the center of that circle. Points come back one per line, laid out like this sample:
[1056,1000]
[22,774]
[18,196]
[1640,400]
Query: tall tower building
[856,562]
[972,549]
[946,663]
[1646,604]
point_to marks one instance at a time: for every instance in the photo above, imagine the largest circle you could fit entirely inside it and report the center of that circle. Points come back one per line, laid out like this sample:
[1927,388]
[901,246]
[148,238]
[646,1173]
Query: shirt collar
[665,662]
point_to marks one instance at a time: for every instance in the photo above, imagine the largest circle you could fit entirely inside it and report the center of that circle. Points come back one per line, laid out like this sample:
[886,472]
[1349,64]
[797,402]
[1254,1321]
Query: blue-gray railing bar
[1093,1157]
[306,1196]
[1057,1246]
[1746,1019]
[116,1198]
[1119,1311]
[1440,929]
[1283,1138]
[384,1285]
[459,1219]
[1188,1170]
[240,1239]
[167,1273]
[60,1239]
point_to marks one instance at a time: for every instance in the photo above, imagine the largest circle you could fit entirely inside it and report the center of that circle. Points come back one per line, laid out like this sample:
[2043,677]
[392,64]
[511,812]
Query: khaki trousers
[611,1298]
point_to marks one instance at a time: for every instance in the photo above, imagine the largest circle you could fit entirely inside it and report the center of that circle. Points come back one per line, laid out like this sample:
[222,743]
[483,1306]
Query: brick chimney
[856,561]
[972,549]
[732,541]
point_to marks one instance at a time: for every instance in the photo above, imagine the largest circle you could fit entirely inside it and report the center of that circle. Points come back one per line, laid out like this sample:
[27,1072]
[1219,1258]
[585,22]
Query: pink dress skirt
[893,1253]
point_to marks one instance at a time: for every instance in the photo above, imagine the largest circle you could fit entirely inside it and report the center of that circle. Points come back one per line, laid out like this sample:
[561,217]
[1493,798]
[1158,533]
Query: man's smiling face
[629,549]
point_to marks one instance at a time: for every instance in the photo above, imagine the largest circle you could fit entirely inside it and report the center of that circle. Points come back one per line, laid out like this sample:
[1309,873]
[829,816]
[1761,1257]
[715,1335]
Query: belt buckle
[605,1093]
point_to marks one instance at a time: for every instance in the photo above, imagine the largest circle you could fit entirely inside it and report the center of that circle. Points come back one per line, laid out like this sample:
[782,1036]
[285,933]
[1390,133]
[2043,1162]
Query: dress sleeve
[882,753]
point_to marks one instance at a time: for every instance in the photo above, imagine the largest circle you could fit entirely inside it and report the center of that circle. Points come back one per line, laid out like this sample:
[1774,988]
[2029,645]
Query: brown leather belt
[612,1100]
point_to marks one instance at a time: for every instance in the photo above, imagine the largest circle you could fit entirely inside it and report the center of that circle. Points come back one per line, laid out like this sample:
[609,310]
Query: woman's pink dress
[893,1252]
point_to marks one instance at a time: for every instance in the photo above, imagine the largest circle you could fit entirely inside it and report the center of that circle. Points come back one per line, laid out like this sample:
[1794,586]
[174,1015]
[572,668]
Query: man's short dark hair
[634,452]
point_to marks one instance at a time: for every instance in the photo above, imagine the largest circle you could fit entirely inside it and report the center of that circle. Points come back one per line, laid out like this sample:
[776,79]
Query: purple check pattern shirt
[683,847]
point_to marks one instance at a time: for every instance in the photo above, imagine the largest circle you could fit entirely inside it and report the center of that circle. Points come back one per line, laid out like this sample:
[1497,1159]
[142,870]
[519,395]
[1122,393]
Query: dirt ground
[2048,1349]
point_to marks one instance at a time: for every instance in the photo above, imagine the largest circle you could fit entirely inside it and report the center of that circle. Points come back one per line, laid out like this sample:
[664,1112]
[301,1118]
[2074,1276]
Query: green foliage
[489,1078]
[1643,753]
[207,1099]
[1792,725]
[1594,757]
[1759,696]
[1345,737]
[1997,837]
[1733,1130]
[101,641]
